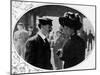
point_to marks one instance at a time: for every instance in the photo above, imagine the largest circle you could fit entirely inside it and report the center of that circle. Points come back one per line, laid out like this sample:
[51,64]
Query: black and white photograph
[52,37]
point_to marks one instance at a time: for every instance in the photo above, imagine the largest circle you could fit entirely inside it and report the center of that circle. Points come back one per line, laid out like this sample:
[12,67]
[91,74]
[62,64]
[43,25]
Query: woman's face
[58,34]
[67,31]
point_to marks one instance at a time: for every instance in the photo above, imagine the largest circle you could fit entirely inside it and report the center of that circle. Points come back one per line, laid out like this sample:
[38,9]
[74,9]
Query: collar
[41,34]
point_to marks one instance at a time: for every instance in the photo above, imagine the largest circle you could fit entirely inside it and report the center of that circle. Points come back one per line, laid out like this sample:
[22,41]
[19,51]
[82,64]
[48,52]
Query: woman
[73,51]
[20,38]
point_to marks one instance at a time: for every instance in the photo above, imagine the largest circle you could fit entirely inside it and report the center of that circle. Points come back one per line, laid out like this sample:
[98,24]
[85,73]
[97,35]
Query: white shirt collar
[41,34]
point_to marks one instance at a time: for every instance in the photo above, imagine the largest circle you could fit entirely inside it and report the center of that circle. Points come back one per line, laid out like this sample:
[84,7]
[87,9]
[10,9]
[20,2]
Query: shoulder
[78,40]
[33,39]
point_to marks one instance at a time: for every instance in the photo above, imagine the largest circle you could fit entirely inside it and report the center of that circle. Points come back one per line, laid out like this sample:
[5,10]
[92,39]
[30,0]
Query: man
[90,40]
[38,51]
[74,46]
[20,38]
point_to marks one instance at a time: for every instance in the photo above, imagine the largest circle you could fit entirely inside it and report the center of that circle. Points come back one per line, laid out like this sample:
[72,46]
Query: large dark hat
[45,21]
[71,20]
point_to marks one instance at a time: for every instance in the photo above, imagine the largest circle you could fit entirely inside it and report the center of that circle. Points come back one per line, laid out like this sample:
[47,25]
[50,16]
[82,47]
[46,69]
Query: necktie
[47,44]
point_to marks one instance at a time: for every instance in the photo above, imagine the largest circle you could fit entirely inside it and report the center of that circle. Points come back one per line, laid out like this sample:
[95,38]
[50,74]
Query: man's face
[47,28]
